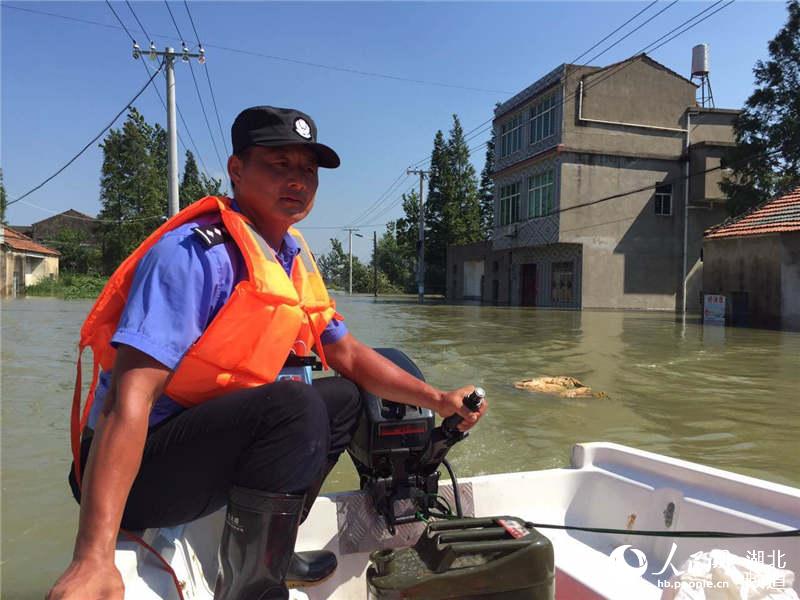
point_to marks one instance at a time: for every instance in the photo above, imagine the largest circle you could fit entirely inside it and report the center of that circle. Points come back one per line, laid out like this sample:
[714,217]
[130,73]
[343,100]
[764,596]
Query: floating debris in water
[562,385]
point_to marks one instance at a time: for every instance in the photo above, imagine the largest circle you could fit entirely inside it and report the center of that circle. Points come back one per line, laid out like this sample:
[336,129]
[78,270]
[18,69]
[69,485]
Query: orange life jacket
[267,316]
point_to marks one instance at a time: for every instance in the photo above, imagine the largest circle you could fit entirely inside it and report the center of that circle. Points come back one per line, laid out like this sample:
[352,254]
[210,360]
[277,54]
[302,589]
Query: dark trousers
[276,438]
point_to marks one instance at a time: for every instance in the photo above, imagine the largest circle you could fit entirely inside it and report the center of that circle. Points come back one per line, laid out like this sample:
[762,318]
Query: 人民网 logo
[302,128]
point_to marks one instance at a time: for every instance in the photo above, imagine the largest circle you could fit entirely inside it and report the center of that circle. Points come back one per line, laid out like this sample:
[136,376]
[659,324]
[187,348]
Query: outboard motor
[397,450]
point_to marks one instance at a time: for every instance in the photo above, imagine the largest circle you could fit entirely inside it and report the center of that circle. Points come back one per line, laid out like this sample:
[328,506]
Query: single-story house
[754,261]
[23,262]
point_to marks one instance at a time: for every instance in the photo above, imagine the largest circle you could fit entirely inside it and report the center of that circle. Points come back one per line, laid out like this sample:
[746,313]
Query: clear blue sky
[63,80]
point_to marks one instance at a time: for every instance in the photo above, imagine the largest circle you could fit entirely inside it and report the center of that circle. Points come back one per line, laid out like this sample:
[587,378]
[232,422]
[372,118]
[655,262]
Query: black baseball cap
[270,126]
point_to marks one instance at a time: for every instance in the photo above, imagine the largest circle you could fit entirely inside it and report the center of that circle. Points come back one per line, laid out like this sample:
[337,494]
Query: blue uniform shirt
[178,288]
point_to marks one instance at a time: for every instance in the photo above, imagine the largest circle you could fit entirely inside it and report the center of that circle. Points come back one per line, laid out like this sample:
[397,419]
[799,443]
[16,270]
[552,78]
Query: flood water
[724,397]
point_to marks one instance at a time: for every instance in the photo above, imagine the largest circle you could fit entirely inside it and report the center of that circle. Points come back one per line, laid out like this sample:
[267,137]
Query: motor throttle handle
[473,402]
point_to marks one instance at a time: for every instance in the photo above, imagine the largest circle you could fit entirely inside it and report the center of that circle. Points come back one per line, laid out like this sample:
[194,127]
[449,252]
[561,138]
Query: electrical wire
[155,88]
[208,76]
[370,210]
[133,12]
[92,141]
[585,52]
[197,88]
[92,219]
[354,71]
[472,133]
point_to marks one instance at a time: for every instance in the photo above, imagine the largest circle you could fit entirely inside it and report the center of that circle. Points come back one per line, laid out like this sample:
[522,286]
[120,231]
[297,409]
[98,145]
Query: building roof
[70,214]
[558,74]
[17,241]
[645,58]
[779,215]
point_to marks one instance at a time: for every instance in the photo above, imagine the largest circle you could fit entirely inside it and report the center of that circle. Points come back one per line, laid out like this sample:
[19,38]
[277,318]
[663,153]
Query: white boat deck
[606,485]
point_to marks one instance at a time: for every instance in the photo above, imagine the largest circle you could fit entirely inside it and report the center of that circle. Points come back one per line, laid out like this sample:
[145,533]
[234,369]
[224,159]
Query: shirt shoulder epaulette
[211,235]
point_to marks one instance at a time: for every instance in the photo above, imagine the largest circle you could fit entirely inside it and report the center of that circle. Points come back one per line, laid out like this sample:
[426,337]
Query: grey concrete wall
[631,256]
[638,93]
[790,281]
[748,264]
[705,186]
[713,125]
[456,256]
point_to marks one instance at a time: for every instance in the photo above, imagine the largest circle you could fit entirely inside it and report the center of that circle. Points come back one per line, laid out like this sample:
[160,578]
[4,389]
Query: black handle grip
[473,402]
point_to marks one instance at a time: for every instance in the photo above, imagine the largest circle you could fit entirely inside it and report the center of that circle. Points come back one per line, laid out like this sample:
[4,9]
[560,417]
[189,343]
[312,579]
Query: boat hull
[605,485]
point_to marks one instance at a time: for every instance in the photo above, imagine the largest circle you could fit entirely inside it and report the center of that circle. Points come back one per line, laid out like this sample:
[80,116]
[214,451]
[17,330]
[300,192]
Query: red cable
[135,538]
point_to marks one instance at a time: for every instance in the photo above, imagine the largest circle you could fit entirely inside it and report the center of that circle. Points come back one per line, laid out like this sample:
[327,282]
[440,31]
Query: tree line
[458,209]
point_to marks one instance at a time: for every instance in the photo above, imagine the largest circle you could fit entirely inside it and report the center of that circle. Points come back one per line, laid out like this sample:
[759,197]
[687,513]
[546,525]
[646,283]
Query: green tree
[77,254]
[133,187]
[766,159]
[3,200]
[395,262]
[453,213]
[407,236]
[462,208]
[196,185]
[486,192]
[333,265]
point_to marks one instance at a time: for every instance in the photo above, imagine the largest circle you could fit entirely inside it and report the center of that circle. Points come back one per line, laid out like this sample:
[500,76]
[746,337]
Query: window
[543,120]
[664,200]
[540,194]
[509,204]
[511,136]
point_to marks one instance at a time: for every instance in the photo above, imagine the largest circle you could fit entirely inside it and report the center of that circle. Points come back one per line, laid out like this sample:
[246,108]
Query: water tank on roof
[700,60]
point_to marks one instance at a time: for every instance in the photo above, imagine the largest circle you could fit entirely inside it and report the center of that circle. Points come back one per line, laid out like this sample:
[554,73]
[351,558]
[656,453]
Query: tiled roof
[14,239]
[779,215]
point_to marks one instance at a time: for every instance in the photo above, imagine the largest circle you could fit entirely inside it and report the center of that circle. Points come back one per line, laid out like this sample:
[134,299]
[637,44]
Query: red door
[528,285]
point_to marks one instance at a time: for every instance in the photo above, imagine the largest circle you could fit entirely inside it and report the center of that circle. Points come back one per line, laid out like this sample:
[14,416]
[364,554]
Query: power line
[381,198]
[208,76]
[275,57]
[92,219]
[130,35]
[155,88]
[92,141]
[133,12]
[205,116]
[678,179]
[615,69]
[469,135]
[196,87]
[645,9]
[174,22]
[634,30]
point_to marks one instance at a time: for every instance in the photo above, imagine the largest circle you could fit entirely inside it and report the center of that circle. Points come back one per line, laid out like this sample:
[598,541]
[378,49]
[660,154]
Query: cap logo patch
[302,128]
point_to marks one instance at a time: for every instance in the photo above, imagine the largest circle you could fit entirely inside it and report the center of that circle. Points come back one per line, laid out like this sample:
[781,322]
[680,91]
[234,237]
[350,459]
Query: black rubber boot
[309,568]
[257,544]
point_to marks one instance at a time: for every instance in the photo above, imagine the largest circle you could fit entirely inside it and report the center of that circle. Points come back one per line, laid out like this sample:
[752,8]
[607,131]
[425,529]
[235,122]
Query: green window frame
[511,136]
[542,119]
[509,204]
[541,194]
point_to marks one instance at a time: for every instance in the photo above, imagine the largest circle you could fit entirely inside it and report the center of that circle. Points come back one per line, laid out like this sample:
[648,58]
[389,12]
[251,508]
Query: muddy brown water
[720,396]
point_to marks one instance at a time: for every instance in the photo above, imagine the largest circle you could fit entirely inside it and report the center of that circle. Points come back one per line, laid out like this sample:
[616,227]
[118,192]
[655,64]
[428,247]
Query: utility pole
[169,55]
[351,231]
[421,242]
[375,260]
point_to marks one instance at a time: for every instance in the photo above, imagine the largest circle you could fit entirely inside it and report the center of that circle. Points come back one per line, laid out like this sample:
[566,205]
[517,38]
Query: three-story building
[571,229]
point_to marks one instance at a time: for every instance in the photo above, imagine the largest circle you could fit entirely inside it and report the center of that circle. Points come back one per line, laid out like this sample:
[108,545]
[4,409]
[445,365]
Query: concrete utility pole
[375,261]
[169,55]
[421,242]
[351,231]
